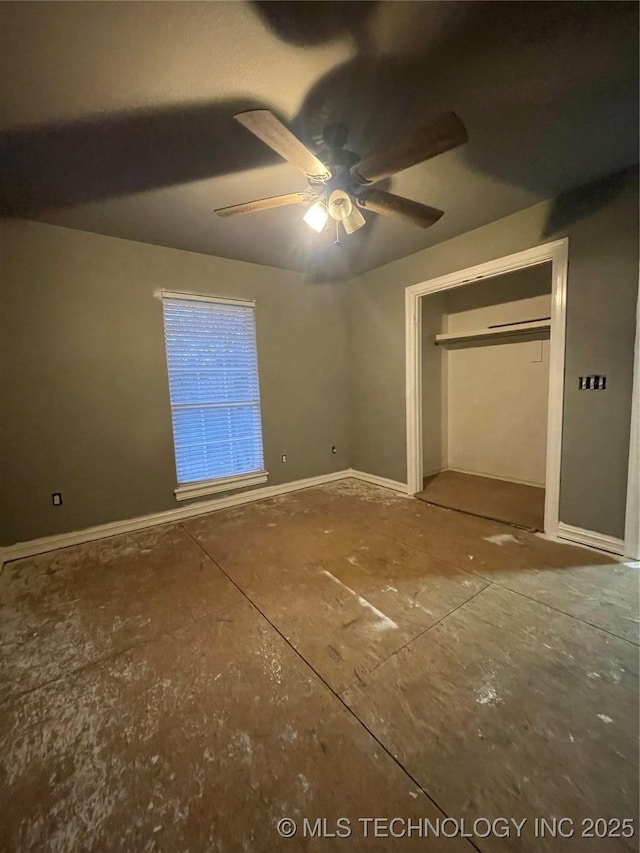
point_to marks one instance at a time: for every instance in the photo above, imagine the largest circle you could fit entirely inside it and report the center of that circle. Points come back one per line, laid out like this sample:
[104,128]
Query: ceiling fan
[344,186]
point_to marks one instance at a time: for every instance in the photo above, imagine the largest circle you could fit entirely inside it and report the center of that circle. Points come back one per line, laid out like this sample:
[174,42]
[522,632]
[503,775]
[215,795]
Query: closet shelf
[536,329]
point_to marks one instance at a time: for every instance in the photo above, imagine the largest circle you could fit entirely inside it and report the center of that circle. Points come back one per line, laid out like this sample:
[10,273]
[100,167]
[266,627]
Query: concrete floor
[500,500]
[340,652]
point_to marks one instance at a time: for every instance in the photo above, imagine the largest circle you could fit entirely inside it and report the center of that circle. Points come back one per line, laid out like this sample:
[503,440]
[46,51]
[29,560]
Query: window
[214,390]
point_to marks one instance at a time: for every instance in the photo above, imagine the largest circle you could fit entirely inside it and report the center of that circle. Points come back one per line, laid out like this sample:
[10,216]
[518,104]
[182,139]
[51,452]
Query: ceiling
[117,117]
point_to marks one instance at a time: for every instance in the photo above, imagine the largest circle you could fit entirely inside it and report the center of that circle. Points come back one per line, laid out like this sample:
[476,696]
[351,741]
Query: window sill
[227,484]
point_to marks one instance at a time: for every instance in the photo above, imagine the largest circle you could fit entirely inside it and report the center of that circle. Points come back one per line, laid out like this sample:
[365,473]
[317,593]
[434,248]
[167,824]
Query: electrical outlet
[283,457]
[56,498]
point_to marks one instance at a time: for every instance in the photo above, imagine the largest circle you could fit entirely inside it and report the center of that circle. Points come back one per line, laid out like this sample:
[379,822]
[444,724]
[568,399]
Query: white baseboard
[590,538]
[103,531]
[495,477]
[396,485]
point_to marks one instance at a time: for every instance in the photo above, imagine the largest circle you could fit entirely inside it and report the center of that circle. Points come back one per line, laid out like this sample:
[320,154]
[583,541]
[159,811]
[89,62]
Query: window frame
[200,488]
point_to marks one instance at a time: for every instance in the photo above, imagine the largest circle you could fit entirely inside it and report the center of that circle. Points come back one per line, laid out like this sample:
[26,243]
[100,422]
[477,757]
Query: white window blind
[214,389]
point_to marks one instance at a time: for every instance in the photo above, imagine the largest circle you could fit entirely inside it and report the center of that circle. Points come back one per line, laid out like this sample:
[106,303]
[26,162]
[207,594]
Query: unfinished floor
[500,500]
[338,652]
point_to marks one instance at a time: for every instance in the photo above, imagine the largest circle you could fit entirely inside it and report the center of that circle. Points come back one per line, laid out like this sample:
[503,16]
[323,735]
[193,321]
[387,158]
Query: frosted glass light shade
[354,221]
[339,205]
[316,217]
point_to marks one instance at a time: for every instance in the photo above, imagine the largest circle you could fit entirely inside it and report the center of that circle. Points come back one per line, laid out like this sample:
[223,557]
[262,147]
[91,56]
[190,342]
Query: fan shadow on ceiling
[523,62]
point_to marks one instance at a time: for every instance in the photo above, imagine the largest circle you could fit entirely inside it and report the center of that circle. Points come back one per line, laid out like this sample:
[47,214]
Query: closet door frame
[556,252]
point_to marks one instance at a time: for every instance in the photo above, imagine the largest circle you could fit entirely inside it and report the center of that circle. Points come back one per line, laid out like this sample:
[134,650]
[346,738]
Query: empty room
[320,426]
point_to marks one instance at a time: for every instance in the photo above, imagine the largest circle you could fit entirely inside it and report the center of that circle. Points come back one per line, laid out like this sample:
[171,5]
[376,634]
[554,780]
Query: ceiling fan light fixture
[340,205]
[354,221]
[316,217]
[442,134]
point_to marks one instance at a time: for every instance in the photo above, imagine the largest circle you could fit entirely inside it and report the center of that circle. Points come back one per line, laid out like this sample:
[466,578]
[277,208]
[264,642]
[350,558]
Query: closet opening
[485,376]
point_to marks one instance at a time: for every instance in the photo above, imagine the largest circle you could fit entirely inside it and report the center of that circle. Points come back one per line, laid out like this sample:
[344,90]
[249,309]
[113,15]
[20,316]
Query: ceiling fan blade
[265,203]
[264,125]
[387,203]
[443,134]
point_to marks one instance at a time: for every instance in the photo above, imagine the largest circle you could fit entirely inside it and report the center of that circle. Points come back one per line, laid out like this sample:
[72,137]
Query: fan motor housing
[340,163]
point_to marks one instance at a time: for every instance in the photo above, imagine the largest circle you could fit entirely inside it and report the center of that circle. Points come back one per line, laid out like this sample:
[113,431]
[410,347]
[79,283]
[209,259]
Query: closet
[485,386]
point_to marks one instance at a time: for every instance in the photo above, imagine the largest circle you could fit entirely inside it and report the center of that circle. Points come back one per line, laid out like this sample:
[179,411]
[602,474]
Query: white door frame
[632,520]
[557,253]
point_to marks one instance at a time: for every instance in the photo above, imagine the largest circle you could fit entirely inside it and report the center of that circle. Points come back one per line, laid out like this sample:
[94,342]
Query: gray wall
[601,222]
[83,388]
[85,405]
